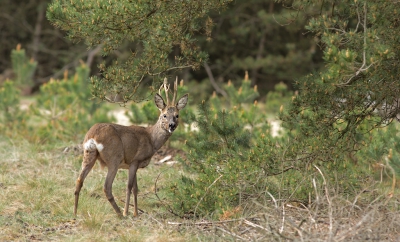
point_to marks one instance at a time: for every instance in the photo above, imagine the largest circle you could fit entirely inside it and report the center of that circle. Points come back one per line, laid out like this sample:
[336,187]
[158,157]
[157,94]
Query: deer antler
[175,91]
[166,89]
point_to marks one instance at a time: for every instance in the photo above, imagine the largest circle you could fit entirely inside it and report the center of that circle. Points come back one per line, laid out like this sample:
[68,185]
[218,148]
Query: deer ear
[159,102]
[182,102]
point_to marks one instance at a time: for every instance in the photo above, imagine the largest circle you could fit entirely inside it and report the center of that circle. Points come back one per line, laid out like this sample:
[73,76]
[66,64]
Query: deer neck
[158,135]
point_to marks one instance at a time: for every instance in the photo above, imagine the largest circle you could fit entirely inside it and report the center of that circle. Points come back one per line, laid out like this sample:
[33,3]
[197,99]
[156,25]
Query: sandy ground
[123,120]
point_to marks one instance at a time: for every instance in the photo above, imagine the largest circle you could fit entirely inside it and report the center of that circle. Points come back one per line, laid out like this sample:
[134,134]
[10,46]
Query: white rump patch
[92,145]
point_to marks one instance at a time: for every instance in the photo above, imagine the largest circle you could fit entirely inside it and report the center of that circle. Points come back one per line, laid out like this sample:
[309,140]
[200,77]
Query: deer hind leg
[132,186]
[89,159]
[112,172]
[135,192]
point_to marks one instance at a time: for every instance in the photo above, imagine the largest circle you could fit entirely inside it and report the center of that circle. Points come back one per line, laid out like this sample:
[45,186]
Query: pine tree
[358,90]
[23,67]
[161,31]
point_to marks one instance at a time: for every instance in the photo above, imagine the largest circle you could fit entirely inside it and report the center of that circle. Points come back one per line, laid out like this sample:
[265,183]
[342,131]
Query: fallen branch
[255,225]
[231,233]
[206,222]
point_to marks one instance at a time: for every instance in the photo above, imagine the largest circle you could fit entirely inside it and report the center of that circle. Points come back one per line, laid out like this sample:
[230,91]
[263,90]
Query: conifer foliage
[154,28]
[358,90]
[230,159]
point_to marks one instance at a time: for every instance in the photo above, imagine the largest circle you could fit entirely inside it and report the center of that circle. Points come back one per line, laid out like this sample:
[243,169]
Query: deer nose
[172,127]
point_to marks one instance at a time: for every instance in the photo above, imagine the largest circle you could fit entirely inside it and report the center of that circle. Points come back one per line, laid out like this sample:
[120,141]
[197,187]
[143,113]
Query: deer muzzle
[172,127]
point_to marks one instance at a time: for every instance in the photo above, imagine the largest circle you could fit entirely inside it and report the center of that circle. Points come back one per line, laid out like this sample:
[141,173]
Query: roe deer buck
[128,147]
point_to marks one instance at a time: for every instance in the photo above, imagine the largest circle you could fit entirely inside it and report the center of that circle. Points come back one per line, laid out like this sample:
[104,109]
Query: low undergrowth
[37,185]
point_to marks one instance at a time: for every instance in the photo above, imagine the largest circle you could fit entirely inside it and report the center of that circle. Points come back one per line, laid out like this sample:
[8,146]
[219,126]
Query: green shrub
[233,160]
[61,111]
[278,97]
[229,158]
[12,118]
[23,68]
[64,108]
[382,152]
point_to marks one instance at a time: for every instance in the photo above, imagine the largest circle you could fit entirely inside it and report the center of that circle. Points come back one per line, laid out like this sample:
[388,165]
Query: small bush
[234,161]
[280,96]
[23,68]
[12,118]
[230,158]
[61,111]
[64,109]
[381,155]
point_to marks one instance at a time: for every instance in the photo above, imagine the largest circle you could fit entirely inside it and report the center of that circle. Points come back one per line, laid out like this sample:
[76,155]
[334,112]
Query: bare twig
[212,80]
[273,199]
[169,69]
[206,222]
[255,225]
[363,67]
[92,53]
[208,188]
[353,229]
[125,100]
[329,204]
[231,233]
[130,204]
[393,173]
[38,31]
[283,218]
[155,193]
[113,100]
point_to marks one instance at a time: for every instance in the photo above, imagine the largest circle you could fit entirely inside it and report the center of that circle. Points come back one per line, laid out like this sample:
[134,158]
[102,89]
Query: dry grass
[371,215]
[37,186]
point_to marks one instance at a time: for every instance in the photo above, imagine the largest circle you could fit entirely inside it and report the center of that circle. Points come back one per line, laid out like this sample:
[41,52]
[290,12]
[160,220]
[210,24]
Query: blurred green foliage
[265,38]
[278,98]
[381,152]
[230,159]
[12,118]
[62,110]
[23,68]
[65,109]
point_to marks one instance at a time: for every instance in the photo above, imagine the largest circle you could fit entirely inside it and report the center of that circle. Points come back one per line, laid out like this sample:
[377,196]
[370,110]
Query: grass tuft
[37,185]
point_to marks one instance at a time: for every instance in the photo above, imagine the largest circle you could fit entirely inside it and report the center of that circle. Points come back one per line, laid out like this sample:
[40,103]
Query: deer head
[169,116]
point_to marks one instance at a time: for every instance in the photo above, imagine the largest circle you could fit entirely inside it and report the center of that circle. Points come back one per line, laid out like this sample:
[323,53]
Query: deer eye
[177,116]
[165,116]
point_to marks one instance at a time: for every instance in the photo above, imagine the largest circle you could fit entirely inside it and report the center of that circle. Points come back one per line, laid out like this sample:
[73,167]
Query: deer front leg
[135,192]
[131,184]
[112,172]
